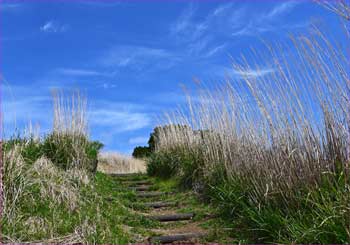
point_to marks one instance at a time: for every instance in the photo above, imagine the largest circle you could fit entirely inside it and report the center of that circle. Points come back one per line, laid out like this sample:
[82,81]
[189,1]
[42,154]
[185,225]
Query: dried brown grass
[278,131]
[112,162]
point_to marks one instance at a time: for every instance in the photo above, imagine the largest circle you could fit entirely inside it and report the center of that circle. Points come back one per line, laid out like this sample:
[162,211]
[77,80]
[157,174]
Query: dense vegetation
[272,151]
[51,191]
[141,152]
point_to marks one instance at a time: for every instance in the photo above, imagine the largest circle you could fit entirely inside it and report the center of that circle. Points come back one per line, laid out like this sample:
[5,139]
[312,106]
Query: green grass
[46,202]
[206,214]
[309,215]
[110,218]
[106,211]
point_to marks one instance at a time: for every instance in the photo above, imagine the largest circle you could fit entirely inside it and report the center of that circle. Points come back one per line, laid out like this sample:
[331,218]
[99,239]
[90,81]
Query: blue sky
[131,57]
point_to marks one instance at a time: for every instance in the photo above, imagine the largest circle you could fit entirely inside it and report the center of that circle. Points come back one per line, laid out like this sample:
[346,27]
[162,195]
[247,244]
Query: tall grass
[274,142]
[70,113]
[44,180]
[69,144]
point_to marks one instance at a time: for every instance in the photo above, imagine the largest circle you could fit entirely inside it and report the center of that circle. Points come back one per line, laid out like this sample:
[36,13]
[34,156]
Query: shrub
[69,151]
[30,149]
[47,189]
[179,163]
[141,152]
[43,203]
[68,146]
[163,164]
[92,150]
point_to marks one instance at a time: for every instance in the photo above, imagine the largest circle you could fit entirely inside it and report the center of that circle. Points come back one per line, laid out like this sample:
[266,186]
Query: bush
[67,151]
[141,152]
[163,165]
[30,149]
[48,193]
[92,150]
[179,163]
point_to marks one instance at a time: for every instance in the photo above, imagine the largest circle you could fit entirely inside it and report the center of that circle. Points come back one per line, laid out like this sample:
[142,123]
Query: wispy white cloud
[122,56]
[281,8]
[227,19]
[108,85]
[222,9]
[219,71]
[250,73]
[215,50]
[118,117]
[138,140]
[20,109]
[9,6]
[119,121]
[139,58]
[53,27]
[199,36]
[184,20]
[265,21]
[253,29]
[79,72]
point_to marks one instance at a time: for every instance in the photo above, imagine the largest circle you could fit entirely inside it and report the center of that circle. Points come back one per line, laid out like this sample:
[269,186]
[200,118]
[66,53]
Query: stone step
[172,217]
[159,204]
[175,237]
[137,182]
[128,175]
[150,194]
[141,188]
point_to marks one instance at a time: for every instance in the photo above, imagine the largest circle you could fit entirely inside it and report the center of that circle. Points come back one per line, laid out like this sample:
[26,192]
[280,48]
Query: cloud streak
[265,22]
[18,113]
[118,117]
[120,121]
[281,9]
[138,59]
[79,72]
[201,37]
[226,20]
[53,27]
[9,6]
[253,73]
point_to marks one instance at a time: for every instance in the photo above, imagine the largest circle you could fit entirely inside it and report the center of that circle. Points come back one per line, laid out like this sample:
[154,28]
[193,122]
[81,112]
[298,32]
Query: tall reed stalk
[278,131]
[69,113]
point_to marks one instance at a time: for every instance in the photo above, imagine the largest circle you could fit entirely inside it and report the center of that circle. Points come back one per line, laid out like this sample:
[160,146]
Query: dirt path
[179,222]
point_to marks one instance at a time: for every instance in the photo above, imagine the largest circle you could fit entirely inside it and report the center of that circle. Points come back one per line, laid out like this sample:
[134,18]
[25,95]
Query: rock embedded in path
[159,204]
[175,237]
[172,217]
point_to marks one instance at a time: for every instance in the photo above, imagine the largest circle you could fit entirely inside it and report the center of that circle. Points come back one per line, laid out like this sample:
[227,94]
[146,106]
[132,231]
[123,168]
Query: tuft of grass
[71,151]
